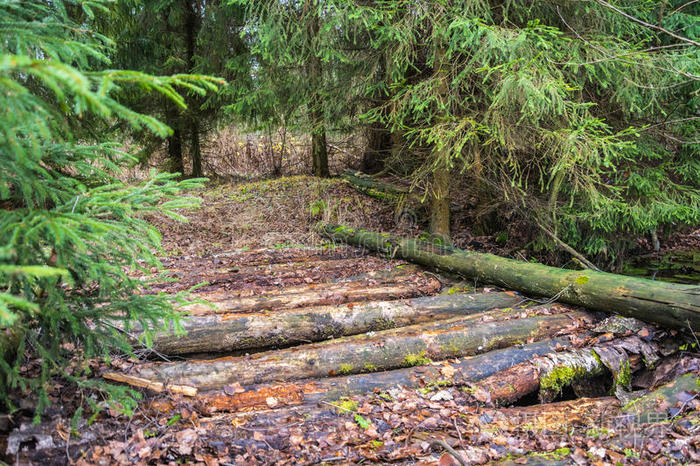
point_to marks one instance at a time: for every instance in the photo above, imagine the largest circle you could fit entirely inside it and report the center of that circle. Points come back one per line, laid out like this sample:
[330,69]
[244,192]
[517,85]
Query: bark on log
[232,332]
[329,389]
[266,275]
[551,373]
[384,350]
[666,401]
[370,288]
[259,256]
[379,189]
[668,304]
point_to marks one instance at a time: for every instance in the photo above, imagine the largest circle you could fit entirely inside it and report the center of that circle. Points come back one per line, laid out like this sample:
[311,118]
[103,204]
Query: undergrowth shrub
[70,231]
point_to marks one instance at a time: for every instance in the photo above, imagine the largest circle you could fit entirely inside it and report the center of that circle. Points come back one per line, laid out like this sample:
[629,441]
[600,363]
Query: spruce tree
[174,37]
[71,232]
[579,117]
[308,67]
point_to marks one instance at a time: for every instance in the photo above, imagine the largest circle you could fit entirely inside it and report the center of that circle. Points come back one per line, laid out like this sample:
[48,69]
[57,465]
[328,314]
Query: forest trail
[334,355]
[286,368]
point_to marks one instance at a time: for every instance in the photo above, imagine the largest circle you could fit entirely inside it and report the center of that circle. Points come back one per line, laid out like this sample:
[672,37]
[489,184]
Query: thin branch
[649,25]
[617,57]
[683,6]
[681,141]
[611,56]
[450,450]
[658,88]
[670,122]
[569,249]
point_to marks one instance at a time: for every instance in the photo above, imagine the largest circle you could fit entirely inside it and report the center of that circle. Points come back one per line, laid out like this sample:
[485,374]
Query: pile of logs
[352,335]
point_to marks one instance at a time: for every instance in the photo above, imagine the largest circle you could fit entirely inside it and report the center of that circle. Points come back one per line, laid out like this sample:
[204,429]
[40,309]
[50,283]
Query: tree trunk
[319,151]
[377,133]
[228,332]
[195,150]
[389,349]
[440,186]
[378,147]
[658,302]
[177,164]
[192,27]
[440,205]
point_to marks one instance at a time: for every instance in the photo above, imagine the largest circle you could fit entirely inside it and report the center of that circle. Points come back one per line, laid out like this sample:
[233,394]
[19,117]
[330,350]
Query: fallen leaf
[442,395]
[296,439]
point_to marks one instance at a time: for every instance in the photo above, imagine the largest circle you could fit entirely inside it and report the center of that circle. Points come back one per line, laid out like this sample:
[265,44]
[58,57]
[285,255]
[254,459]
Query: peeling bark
[231,332]
[551,373]
[384,350]
[315,391]
[667,304]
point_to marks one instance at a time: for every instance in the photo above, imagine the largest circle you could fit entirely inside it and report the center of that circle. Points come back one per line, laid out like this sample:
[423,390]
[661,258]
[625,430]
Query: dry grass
[273,213]
[232,154]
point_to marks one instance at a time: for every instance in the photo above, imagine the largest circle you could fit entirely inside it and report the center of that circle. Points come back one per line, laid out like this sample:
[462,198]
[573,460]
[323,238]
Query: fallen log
[275,274]
[373,287]
[233,332]
[666,401]
[551,373]
[663,303]
[328,389]
[389,349]
[379,189]
[261,256]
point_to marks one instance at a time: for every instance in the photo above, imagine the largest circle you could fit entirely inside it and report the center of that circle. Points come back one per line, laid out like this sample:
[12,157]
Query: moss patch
[346,405]
[417,359]
[582,280]
[560,377]
[624,377]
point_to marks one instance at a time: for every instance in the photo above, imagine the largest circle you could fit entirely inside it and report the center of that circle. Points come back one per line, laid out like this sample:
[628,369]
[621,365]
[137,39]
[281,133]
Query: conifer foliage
[70,230]
[579,116]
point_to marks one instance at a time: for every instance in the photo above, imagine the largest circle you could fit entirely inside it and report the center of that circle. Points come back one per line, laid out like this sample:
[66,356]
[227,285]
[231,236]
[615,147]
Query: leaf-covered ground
[245,243]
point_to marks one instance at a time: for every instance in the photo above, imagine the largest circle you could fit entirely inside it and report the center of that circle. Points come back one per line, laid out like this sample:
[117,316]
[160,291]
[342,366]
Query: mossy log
[379,189]
[667,304]
[552,373]
[666,401]
[389,349]
[329,389]
[231,332]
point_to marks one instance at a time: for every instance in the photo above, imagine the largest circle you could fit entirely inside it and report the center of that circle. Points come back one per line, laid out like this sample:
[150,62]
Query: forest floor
[255,247]
[282,211]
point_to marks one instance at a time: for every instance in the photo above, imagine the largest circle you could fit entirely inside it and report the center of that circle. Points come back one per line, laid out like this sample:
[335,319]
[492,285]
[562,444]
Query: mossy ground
[272,213]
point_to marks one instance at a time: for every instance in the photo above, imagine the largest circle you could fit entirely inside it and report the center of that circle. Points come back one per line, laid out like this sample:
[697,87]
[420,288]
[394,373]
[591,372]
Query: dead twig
[569,249]
[450,450]
[648,25]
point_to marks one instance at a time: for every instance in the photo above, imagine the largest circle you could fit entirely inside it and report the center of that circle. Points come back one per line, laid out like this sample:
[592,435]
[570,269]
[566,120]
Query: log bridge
[302,327]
